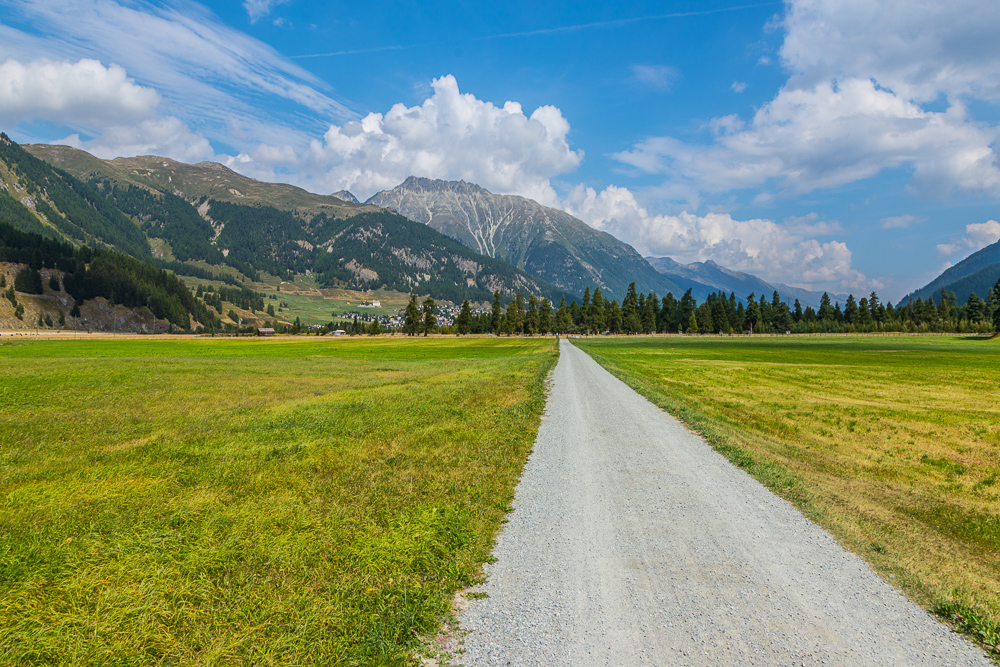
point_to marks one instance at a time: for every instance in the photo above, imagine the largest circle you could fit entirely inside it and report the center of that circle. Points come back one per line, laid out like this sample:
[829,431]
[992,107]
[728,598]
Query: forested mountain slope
[977,274]
[58,279]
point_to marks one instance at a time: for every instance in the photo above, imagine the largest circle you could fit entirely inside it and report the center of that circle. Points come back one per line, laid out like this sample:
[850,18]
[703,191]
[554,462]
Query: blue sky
[831,144]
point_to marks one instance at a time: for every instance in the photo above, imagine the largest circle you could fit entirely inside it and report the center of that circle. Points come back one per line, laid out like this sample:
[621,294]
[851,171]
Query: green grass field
[256,502]
[892,443]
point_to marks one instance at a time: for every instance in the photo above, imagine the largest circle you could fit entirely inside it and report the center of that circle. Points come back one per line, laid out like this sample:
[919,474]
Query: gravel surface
[632,542]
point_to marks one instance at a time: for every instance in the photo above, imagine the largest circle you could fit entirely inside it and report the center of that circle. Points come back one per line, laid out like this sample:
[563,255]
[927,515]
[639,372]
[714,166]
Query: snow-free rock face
[347,196]
[545,242]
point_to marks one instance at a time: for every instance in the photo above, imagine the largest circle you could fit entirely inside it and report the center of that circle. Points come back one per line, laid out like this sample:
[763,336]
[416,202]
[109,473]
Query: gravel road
[632,542]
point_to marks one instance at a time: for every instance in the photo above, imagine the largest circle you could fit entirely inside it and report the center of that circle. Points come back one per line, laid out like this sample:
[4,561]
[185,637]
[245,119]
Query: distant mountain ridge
[545,242]
[193,181]
[708,277]
[976,273]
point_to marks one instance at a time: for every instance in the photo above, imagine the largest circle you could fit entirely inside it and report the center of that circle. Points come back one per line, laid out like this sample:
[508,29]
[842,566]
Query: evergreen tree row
[648,313]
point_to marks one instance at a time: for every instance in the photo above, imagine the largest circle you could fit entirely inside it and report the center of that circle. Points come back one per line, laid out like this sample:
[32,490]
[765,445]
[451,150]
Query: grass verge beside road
[252,502]
[891,443]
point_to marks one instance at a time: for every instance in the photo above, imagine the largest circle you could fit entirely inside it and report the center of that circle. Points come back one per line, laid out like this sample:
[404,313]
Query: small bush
[54,284]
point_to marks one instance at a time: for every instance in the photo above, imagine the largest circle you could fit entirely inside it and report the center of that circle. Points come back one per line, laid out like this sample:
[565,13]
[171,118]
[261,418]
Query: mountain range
[449,238]
[708,277]
[546,242]
[208,216]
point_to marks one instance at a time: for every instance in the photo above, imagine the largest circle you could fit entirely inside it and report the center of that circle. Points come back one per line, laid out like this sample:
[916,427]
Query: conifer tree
[464,320]
[497,312]
[597,314]
[411,319]
[430,320]
[874,306]
[851,313]
[825,308]
[514,320]
[563,322]
[614,317]
[649,314]
[668,311]
[531,316]
[630,315]
[545,316]
[994,302]
[975,309]
[686,309]
[752,312]
[720,321]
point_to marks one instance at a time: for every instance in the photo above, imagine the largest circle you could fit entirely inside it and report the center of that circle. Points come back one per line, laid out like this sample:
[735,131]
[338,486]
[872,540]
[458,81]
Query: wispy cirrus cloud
[658,77]
[901,221]
[626,21]
[257,9]
[210,76]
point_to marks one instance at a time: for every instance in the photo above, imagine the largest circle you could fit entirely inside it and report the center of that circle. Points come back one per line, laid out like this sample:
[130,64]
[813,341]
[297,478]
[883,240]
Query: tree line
[718,313]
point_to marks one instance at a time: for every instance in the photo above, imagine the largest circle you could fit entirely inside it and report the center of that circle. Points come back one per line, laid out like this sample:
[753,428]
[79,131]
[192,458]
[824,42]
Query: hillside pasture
[892,443]
[288,501]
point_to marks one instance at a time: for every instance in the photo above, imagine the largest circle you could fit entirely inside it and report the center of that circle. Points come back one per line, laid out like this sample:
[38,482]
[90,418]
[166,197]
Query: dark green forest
[165,215]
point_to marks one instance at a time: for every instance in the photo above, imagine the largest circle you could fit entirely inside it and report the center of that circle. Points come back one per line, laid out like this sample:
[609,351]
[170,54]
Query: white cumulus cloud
[83,92]
[829,135]
[780,253]
[861,77]
[115,115]
[919,49]
[977,236]
[451,135]
[166,137]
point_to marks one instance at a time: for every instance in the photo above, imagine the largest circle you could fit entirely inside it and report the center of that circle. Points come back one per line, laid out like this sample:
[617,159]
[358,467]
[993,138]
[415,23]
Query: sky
[841,145]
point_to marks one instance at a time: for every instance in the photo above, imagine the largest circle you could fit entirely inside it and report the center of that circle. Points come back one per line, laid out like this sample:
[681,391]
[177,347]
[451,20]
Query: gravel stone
[632,542]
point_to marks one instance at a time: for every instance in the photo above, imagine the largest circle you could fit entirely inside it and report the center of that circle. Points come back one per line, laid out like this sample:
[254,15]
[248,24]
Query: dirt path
[634,543]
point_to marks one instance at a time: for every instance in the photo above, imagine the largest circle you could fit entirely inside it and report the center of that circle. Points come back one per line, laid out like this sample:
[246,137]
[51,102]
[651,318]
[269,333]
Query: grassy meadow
[231,502]
[892,443]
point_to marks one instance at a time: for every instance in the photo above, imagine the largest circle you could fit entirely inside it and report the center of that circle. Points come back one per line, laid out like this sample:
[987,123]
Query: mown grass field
[893,443]
[231,502]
